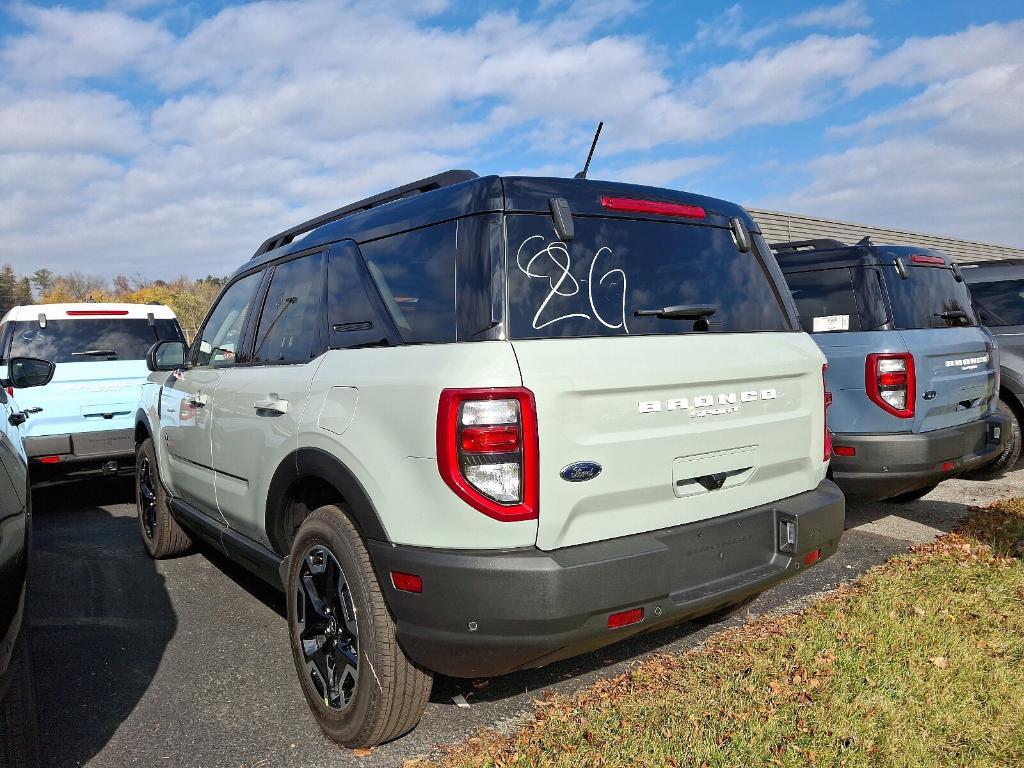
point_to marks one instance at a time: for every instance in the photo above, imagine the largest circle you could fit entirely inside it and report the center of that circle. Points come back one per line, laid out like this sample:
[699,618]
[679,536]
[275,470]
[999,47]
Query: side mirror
[24,372]
[166,356]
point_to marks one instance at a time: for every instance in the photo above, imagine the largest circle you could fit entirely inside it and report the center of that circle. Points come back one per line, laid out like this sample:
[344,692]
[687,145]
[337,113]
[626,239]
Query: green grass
[918,663]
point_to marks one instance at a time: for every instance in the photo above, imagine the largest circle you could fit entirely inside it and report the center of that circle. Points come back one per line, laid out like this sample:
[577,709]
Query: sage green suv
[476,425]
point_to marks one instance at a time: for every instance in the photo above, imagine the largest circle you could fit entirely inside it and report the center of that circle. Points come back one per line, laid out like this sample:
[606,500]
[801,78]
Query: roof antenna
[586,167]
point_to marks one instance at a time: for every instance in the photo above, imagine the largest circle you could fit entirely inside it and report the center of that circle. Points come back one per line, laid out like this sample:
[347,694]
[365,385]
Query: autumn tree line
[189,298]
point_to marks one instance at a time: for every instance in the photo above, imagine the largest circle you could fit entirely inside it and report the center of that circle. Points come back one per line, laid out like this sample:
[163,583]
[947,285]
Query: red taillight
[844,450]
[625,618]
[10,391]
[490,439]
[95,312]
[653,206]
[828,401]
[50,460]
[890,382]
[922,259]
[487,450]
[948,466]
[407,582]
[812,557]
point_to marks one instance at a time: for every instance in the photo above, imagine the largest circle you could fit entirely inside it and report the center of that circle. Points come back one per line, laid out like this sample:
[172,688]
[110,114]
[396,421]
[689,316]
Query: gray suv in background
[998,291]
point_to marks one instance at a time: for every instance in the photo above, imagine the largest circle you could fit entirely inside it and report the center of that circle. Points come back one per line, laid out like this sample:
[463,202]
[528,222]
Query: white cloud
[61,121]
[850,14]
[64,44]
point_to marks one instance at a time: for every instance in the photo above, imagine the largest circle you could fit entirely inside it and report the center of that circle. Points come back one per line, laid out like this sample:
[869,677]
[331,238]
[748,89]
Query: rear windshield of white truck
[631,277]
[90,341]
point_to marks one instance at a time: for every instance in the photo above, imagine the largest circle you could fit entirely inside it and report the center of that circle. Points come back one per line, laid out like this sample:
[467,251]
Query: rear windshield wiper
[683,312]
[95,353]
[954,314]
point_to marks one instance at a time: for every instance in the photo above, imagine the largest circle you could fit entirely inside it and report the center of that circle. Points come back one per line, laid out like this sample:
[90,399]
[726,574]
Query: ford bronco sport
[84,418]
[476,425]
[913,377]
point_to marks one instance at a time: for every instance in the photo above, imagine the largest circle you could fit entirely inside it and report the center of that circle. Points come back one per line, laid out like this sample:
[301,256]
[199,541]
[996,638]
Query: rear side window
[1000,302]
[929,298]
[415,274]
[289,329]
[825,299]
[351,312]
[595,284]
[90,340]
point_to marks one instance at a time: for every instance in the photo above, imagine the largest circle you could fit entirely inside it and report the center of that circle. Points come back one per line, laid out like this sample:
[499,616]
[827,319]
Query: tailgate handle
[714,481]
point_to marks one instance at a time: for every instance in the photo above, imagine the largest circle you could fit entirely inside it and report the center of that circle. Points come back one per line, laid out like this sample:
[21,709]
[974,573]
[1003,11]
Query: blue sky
[166,138]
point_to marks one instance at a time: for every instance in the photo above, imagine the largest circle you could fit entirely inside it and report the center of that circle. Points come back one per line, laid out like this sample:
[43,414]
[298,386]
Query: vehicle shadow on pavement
[938,515]
[100,617]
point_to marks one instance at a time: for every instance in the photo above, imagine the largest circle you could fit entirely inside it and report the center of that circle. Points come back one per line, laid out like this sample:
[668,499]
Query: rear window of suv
[1000,302]
[90,341]
[929,298]
[613,268]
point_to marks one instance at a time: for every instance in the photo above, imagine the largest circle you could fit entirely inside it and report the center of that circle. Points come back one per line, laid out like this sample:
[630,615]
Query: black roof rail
[821,244]
[429,184]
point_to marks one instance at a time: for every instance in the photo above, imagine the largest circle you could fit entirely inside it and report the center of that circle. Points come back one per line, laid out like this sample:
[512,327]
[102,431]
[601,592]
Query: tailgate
[955,376]
[86,397]
[684,428]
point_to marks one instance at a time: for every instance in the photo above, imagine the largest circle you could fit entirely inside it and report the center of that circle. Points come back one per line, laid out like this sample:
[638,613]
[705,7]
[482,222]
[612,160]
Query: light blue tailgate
[953,367]
[86,397]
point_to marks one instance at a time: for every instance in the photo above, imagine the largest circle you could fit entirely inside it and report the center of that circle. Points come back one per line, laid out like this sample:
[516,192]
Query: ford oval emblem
[581,471]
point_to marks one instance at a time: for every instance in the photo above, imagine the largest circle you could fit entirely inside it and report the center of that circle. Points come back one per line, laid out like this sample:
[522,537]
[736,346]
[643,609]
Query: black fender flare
[1010,382]
[142,420]
[322,465]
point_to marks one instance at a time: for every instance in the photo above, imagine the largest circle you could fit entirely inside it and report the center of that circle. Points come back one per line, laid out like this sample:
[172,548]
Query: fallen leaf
[939,661]
[362,752]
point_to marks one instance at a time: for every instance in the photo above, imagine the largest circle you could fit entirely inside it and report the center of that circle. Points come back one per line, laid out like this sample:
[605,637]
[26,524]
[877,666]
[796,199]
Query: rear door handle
[271,406]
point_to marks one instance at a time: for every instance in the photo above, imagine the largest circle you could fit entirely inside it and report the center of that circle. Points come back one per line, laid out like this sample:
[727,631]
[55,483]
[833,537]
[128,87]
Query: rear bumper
[80,454]
[890,464]
[484,613]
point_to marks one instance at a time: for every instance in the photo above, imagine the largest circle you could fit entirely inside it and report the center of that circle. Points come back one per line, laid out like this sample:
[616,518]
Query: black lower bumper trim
[484,613]
[886,465]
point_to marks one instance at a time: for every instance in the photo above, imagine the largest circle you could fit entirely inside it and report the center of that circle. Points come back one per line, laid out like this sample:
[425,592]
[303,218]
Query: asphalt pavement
[185,662]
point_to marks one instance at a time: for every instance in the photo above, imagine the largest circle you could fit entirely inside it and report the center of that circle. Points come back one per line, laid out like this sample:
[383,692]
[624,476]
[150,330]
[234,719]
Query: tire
[1006,460]
[903,498]
[161,535]
[384,696]
[19,729]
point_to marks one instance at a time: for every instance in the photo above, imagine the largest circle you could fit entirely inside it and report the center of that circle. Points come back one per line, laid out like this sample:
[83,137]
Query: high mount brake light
[828,401]
[922,259]
[95,312]
[653,206]
[487,450]
[889,379]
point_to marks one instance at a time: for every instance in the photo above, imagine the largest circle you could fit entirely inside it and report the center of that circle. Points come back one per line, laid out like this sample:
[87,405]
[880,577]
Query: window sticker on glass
[831,323]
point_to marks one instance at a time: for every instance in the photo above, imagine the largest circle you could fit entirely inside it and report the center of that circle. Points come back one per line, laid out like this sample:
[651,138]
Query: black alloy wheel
[147,497]
[328,628]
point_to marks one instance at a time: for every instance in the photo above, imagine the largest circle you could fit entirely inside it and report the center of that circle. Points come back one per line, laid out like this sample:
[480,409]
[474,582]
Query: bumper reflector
[948,466]
[844,450]
[812,557]
[407,582]
[49,460]
[625,618]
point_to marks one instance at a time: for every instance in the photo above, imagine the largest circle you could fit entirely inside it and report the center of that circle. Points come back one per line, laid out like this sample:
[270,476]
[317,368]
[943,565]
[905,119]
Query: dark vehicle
[913,376]
[998,291]
[18,743]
